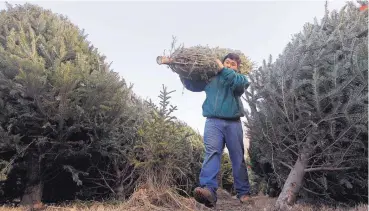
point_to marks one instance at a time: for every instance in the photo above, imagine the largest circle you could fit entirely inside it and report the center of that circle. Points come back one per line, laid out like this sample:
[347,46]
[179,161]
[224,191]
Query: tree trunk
[163,60]
[220,178]
[293,183]
[33,192]
[120,193]
[125,181]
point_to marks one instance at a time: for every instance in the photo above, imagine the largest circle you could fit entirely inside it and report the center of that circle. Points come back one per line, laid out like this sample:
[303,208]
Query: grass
[145,199]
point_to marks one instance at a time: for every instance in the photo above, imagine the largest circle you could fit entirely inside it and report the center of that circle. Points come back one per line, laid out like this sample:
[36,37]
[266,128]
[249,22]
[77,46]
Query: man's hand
[219,64]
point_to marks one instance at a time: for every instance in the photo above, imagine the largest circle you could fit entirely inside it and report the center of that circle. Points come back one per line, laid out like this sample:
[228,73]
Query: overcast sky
[133,34]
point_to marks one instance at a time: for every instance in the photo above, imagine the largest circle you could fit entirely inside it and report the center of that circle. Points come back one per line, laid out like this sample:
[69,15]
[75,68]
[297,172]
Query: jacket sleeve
[237,82]
[194,86]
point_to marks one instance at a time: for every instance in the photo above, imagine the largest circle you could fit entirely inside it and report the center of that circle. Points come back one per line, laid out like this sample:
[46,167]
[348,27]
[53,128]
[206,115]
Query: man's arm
[194,86]
[236,81]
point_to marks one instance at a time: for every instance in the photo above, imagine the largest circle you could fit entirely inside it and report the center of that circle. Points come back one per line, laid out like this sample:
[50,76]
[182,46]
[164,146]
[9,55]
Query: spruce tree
[63,106]
[70,127]
[309,110]
[165,145]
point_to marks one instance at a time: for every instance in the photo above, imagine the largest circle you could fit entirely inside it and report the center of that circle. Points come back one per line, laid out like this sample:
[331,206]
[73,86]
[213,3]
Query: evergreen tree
[166,154]
[309,110]
[64,111]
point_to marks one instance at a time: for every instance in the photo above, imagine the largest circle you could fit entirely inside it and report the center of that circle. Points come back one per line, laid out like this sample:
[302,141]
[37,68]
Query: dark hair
[234,57]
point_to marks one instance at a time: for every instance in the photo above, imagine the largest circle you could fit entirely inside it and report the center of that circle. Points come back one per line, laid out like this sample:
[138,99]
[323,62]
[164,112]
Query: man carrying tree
[223,109]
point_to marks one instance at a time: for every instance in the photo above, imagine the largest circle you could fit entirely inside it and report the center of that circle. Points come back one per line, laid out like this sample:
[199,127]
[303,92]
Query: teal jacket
[223,94]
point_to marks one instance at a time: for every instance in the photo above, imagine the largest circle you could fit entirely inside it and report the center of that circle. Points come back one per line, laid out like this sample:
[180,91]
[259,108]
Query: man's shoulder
[214,78]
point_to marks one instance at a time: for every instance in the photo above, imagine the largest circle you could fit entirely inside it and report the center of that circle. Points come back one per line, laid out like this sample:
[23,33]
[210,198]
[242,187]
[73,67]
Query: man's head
[232,61]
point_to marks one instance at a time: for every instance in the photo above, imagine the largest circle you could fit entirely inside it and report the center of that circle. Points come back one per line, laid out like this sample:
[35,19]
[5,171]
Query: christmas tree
[309,111]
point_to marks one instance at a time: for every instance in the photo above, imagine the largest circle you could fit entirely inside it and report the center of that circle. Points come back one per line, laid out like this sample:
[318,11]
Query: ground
[228,203]
[264,203]
[225,203]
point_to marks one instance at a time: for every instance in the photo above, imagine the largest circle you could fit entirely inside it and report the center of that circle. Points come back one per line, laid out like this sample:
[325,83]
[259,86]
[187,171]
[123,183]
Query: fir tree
[166,146]
[72,114]
[309,110]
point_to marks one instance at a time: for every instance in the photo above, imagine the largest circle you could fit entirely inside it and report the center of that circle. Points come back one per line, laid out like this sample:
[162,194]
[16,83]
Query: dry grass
[146,199]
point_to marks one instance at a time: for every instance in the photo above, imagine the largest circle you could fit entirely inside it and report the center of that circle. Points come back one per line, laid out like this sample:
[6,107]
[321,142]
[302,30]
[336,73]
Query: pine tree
[309,110]
[71,112]
[166,146]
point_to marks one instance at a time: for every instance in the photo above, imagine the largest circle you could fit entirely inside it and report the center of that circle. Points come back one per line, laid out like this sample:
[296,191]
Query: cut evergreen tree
[198,62]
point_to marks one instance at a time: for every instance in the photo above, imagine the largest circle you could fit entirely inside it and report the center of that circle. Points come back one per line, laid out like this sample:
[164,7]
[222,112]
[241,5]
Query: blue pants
[219,132]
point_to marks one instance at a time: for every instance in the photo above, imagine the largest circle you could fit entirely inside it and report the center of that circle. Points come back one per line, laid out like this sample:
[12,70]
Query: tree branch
[328,169]
[106,183]
[313,192]
[285,164]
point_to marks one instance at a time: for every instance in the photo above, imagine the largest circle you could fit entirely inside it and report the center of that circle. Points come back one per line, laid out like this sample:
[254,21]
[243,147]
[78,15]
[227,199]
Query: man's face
[231,64]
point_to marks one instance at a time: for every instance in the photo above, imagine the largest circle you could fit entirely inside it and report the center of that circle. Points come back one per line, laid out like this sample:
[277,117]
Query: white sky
[133,34]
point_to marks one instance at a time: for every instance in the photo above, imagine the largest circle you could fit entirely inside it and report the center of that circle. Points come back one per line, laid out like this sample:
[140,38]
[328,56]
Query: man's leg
[214,145]
[234,142]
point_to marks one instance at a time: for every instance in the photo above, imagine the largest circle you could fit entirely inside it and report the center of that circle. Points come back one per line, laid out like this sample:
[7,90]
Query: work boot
[204,196]
[246,199]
